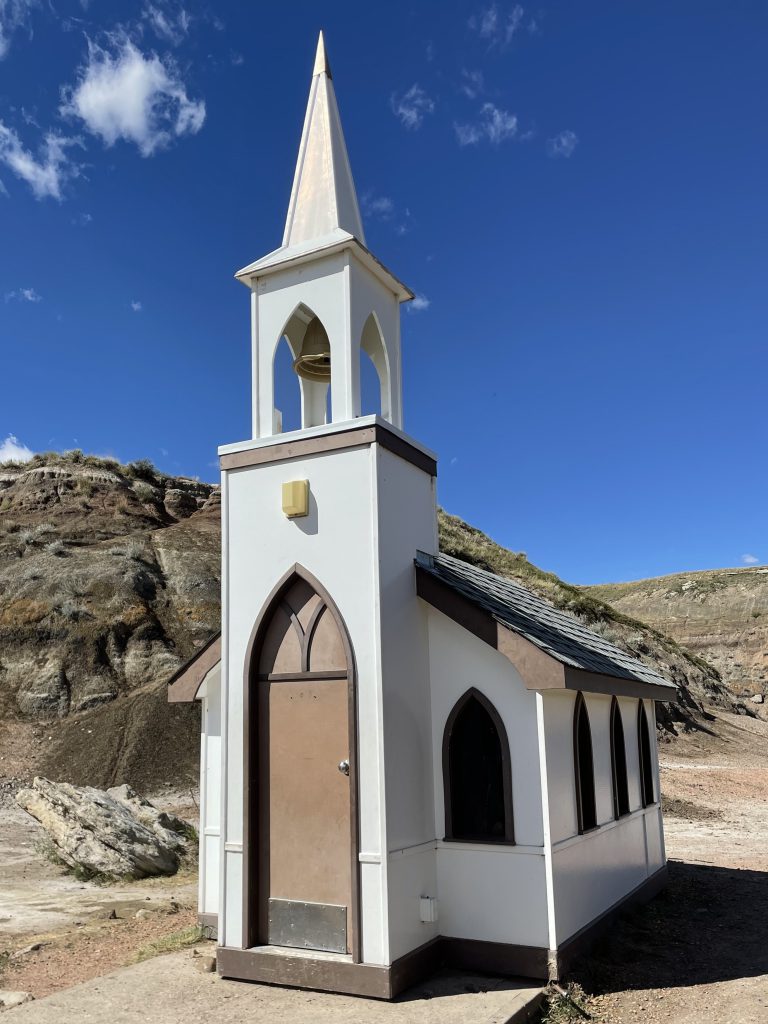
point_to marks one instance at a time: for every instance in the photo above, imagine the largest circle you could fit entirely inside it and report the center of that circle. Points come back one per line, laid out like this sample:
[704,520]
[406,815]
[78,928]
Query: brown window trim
[617,812]
[580,707]
[506,770]
[642,726]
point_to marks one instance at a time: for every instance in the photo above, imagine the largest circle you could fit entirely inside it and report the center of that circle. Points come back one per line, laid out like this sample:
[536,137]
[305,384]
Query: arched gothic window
[477,778]
[586,811]
[618,763]
[646,763]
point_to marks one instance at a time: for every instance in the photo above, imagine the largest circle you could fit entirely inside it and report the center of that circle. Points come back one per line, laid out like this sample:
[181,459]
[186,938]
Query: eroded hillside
[109,580]
[721,614]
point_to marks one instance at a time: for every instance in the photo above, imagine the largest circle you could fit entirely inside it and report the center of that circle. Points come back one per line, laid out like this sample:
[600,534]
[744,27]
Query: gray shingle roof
[558,633]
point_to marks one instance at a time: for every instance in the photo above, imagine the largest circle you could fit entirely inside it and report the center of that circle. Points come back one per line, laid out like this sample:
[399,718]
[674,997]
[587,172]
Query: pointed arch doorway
[301,803]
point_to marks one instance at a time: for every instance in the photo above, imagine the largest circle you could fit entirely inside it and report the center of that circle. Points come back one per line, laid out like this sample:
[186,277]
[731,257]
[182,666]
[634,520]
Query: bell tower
[323,290]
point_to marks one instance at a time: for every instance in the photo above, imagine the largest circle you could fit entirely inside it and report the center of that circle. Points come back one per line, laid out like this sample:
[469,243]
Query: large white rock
[10,998]
[96,832]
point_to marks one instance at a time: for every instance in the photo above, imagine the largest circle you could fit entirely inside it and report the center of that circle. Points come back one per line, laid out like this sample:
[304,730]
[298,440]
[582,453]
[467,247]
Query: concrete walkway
[169,990]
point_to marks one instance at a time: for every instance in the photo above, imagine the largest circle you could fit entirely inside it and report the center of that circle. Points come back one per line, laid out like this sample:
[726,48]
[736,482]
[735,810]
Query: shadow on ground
[710,924]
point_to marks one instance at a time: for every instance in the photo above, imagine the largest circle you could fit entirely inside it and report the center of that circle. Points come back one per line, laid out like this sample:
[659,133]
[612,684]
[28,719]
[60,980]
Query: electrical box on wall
[428,909]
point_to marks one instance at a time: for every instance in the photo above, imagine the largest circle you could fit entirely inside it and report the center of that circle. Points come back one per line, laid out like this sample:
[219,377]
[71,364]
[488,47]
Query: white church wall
[410,804]
[458,661]
[494,893]
[558,730]
[210,789]
[599,709]
[628,707]
[337,544]
[367,566]
[591,872]
[596,870]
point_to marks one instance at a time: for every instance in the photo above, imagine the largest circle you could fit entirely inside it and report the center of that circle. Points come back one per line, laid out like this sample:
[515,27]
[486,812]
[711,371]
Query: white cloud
[11,449]
[378,206]
[471,83]
[750,559]
[124,94]
[14,14]
[563,144]
[412,106]
[494,124]
[46,173]
[172,26]
[23,295]
[418,303]
[495,26]
[136,306]
[82,219]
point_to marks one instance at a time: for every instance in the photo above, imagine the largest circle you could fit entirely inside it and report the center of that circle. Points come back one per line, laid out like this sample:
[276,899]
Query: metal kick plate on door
[320,926]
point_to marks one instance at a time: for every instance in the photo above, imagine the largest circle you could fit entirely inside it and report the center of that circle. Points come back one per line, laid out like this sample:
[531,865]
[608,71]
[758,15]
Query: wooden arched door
[306,853]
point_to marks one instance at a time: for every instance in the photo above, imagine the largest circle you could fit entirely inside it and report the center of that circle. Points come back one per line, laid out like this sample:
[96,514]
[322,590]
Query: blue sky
[576,191]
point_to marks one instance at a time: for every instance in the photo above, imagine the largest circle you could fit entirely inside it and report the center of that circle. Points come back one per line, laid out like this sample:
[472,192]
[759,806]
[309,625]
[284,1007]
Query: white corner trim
[545,821]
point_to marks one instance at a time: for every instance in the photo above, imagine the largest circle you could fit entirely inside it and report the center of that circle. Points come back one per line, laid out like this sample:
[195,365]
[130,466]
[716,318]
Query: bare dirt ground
[82,930]
[698,953]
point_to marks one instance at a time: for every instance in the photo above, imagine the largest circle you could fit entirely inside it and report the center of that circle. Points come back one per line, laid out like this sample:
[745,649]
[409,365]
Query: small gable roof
[524,628]
[185,682]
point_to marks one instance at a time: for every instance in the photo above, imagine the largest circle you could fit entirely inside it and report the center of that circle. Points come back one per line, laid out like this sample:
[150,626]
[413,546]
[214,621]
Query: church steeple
[322,290]
[323,198]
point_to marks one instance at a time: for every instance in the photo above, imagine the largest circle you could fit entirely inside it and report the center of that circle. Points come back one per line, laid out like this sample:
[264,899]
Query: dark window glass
[619,763]
[477,804]
[646,765]
[585,773]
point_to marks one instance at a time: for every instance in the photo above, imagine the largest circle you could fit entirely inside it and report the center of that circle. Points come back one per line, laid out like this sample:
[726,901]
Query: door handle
[344,767]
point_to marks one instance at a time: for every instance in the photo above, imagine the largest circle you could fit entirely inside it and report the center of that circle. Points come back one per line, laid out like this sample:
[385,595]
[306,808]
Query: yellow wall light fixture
[296,498]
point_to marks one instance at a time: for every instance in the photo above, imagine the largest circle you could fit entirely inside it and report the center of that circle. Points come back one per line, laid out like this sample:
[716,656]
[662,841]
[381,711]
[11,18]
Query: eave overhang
[185,683]
[538,669]
[338,241]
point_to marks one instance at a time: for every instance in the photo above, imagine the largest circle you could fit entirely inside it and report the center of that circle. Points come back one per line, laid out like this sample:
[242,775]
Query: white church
[406,762]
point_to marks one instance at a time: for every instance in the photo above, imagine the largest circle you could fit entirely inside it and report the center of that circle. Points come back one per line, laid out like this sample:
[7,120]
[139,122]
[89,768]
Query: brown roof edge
[185,682]
[377,433]
[538,669]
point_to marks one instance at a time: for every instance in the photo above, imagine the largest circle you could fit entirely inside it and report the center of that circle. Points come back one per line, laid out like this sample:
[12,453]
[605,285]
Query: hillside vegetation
[720,614]
[109,580]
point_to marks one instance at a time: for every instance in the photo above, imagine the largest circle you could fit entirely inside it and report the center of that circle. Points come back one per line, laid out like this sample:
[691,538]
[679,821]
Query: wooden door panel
[306,820]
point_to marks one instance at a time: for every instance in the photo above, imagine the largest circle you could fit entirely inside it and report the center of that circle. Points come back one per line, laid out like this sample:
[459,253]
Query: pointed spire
[323,198]
[322,65]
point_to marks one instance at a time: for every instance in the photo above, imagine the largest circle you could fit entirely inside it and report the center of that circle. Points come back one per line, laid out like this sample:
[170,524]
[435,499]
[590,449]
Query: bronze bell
[314,360]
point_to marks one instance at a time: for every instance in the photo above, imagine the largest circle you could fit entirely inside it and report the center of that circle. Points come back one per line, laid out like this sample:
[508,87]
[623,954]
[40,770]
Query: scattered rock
[94,832]
[758,699]
[143,914]
[33,948]
[9,998]
[205,964]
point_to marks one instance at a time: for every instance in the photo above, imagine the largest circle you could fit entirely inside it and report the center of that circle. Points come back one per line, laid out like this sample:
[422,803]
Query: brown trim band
[184,684]
[539,671]
[352,438]
[377,982]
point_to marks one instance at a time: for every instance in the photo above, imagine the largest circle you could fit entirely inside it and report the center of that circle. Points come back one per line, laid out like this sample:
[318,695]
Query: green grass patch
[170,943]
